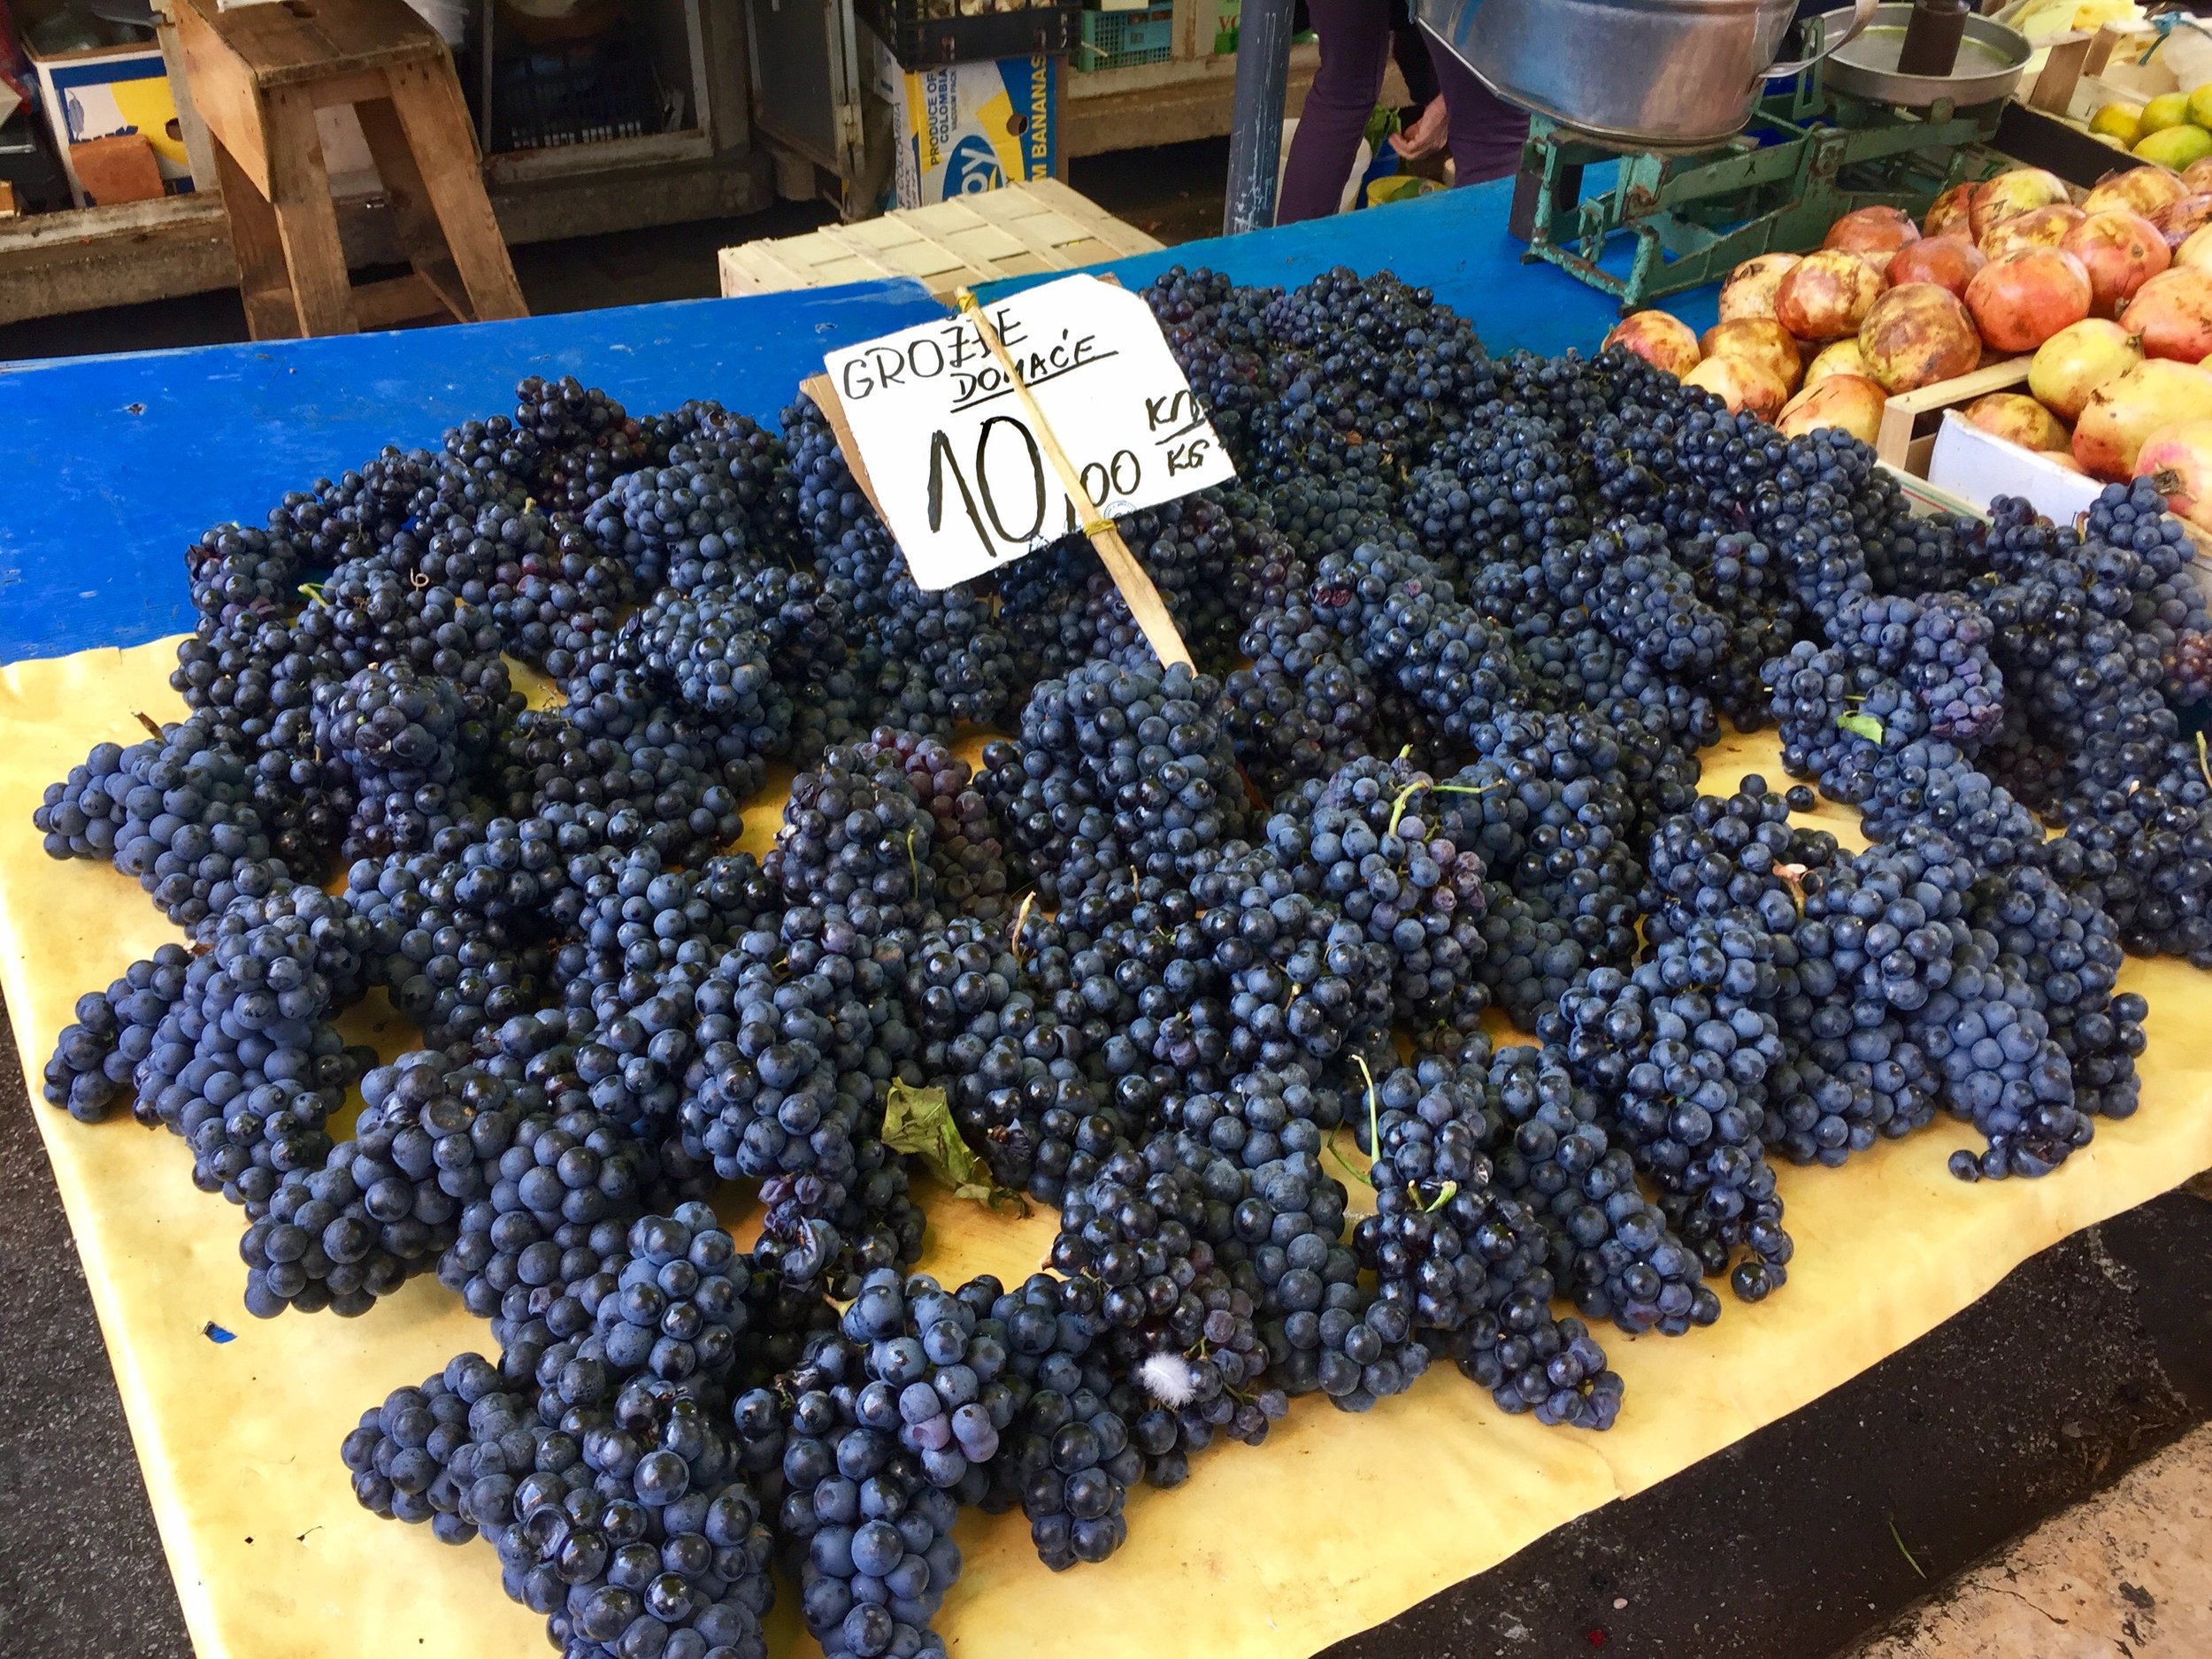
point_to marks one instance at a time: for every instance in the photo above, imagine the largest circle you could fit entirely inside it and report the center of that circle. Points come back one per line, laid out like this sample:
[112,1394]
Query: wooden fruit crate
[1910,419]
[1022,230]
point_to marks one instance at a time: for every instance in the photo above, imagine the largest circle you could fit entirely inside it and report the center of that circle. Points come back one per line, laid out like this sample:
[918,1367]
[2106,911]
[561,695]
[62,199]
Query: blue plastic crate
[1115,39]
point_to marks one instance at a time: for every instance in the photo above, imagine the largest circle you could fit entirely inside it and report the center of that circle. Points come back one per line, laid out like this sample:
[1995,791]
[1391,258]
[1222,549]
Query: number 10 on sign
[965,481]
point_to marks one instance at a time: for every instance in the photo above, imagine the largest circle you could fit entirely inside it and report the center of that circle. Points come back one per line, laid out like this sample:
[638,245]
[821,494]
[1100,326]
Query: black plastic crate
[920,41]
[578,93]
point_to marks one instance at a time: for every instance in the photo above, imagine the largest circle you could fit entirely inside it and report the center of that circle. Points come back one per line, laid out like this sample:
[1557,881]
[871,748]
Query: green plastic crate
[1115,39]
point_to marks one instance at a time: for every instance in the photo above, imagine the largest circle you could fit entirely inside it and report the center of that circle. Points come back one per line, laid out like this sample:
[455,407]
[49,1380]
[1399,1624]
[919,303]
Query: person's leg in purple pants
[1354,47]
[1488,133]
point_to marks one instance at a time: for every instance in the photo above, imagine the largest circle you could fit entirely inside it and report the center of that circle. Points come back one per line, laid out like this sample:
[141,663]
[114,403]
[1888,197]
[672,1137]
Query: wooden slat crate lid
[1023,230]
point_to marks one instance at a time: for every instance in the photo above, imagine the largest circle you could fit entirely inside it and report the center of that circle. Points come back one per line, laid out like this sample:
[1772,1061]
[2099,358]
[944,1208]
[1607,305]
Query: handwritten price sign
[959,473]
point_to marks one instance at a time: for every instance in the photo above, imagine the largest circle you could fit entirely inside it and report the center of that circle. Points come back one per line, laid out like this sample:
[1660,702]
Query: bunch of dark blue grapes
[866,1531]
[244,1063]
[406,744]
[1373,839]
[453,969]
[1462,1270]
[1732,853]
[967,853]
[709,649]
[2067,952]
[1632,588]
[2144,856]
[385,1204]
[1066,1455]
[1612,1248]
[1263,1116]
[1175,1326]
[938,1357]
[854,835]
[95,1059]
[1300,975]
[1938,645]
[176,811]
[237,572]
[1305,705]
[1681,1049]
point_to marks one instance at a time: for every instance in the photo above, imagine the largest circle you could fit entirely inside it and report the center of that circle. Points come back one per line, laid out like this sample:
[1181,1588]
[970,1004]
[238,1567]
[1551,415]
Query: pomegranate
[2009,194]
[1744,386]
[2139,190]
[1849,401]
[2038,228]
[1749,289]
[2171,314]
[2197,175]
[2178,459]
[1759,340]
[2022,300]
[2196,250]
[2076,361]
[1827,295]
[2120,251]
[1948,214]
[1663,341]
[1872,230]
[2017,419]
[2124,411]
[1842,357]
[2178,218]
[1916,335]
[1950,261]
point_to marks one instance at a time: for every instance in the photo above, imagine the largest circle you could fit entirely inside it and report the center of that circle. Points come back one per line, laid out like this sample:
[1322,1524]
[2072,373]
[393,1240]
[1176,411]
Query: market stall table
[1336,1523]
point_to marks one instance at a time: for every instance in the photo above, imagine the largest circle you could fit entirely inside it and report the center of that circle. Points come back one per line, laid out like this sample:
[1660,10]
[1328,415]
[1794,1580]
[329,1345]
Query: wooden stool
[258,73]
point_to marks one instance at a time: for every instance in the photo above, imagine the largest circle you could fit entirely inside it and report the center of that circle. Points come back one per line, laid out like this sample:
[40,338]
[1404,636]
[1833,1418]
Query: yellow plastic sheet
[1336,1523]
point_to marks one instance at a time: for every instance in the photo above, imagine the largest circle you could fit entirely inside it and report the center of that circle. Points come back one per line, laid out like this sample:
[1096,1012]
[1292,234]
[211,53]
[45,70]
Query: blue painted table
[119,462]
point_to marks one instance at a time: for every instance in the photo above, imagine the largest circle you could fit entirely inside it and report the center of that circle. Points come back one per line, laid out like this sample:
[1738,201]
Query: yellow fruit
[2168,108]
[2123,121]
[2200,106]
[2176,147]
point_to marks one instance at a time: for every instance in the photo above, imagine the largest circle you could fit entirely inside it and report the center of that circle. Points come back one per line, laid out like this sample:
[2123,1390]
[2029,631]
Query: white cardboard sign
[963,481]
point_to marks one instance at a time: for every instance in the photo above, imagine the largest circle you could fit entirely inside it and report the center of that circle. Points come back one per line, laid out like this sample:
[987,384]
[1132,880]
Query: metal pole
[1256,124]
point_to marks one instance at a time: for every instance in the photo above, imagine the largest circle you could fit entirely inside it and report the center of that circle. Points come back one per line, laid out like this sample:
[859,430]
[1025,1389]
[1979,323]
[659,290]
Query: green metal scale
[1811,154]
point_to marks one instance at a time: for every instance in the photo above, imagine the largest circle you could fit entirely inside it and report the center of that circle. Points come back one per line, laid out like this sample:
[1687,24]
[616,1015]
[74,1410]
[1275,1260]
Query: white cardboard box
[1981,466]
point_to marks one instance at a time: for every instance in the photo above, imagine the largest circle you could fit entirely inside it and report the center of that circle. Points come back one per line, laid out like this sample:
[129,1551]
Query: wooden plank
[280,46]
[356,86]
[413,218]
[2062,73]
[437,124]
[306,219]
[264,284]
[397,299]
[198,153]
[1900,434]
[222,90]
[818,387]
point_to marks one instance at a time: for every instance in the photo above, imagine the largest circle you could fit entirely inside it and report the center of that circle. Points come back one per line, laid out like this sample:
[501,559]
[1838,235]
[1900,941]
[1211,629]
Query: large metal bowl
[1665,75]
[1992,59]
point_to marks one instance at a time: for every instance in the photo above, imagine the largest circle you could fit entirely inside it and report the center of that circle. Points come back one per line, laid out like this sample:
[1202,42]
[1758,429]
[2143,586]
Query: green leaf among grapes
[919,1121]
[1864,726]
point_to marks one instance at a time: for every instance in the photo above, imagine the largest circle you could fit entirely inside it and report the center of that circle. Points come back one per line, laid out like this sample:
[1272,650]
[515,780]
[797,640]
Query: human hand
[1427,136]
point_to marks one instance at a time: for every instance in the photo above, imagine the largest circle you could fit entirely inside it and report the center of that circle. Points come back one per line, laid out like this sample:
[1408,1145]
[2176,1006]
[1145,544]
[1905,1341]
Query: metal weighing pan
[1992,59]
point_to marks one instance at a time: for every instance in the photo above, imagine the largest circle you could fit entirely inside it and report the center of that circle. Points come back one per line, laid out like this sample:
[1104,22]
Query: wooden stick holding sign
[1143,599]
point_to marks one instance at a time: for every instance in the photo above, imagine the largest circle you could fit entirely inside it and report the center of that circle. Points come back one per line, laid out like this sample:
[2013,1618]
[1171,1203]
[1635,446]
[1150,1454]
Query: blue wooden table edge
[118,462]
